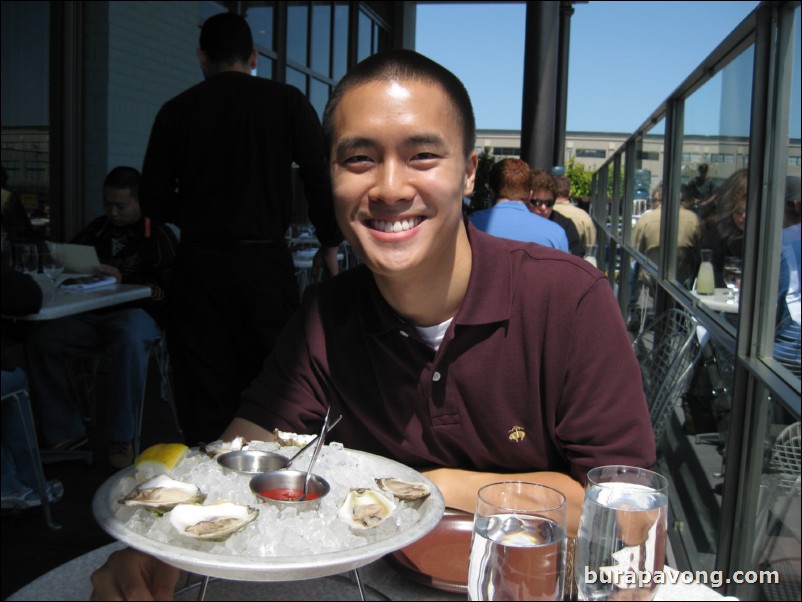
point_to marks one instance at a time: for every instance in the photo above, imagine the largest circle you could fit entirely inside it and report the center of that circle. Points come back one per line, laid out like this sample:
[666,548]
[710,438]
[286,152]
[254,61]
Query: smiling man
[470,357]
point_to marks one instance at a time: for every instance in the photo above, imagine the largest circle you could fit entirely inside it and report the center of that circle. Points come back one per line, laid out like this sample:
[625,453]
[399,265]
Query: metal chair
[666,352]
[776,539]
[158,351]
[83,382]
[22,403]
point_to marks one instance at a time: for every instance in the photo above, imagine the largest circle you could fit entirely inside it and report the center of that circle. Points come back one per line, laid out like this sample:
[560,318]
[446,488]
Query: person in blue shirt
[510,217]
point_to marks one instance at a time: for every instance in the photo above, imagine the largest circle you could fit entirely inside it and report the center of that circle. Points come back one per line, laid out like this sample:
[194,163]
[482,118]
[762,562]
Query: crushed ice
[275,532]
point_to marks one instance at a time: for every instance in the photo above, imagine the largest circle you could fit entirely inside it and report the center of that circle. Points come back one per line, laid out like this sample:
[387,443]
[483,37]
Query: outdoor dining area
[454,414]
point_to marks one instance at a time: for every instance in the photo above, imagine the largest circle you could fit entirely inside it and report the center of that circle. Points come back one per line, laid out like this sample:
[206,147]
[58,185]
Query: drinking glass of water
[518,546]
[732,277]
[622,534]
[27,258]
[52,267]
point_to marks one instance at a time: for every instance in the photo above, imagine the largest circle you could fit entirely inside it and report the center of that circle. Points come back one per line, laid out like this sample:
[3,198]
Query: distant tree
[481,198]
[580,178]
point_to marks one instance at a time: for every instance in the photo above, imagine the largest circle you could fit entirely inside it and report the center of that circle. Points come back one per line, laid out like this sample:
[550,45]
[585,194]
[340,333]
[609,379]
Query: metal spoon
[321,438]
[313,441]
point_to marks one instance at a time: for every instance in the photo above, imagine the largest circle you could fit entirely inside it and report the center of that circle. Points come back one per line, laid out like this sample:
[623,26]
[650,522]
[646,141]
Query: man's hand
[326,260]
[109,270]
[459,488]
[132,575]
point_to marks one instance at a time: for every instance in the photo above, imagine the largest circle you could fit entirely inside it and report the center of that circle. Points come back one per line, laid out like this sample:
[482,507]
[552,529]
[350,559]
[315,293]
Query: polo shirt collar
[491,271]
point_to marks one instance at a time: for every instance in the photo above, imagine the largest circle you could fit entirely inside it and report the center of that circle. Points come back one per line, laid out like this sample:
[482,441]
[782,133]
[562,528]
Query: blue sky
[626,57]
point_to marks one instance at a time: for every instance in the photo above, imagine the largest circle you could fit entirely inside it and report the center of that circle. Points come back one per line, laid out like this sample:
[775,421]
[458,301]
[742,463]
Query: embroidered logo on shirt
[517,434]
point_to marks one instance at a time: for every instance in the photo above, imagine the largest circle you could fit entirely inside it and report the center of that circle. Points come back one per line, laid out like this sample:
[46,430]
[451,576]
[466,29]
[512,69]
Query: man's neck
[213,69]
[426,299]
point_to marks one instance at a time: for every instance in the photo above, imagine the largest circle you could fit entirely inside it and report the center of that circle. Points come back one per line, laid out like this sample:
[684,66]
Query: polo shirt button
[404,333]
[436,376]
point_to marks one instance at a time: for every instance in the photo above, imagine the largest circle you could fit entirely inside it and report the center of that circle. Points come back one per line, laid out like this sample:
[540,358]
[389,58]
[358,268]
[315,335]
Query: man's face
[542,202]
[399,174]
[121,208]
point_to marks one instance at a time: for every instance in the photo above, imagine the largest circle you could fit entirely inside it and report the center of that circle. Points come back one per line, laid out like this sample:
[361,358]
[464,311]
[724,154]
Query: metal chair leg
[23,405]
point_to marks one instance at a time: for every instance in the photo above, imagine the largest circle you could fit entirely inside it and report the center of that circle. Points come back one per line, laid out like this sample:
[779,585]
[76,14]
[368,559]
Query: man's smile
[394,226]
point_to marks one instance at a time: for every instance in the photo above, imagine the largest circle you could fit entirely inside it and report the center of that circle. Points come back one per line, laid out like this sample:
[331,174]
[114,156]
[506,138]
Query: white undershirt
[433,335]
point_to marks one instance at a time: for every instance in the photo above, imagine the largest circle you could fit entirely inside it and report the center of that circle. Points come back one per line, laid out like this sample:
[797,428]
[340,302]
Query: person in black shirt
[544,192]
[219,165]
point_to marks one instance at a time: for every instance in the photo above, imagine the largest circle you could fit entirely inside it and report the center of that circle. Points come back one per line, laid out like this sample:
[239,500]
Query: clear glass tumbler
[518,545]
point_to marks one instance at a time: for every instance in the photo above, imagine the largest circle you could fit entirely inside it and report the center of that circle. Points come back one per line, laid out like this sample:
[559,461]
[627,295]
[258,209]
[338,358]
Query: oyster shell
[408,491]
[219,447]
[284,438]
[214,522]
[365,508]
[161,493]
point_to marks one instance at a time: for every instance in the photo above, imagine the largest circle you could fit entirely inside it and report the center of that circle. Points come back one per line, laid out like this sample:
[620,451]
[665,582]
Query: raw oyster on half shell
[409,491]
[214,522]
[161,493]
[219,447]
[284,438]
[365,508]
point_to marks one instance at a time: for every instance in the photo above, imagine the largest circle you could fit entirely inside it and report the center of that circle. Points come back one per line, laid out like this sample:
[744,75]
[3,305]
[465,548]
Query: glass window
[321,37]
[260,17]
[297,33]
[364,44]
[26,108]
[716,124]
[340,47]
[648,211]
[776,544]
[297,79]
[787,333]
[318,96]
[264,67]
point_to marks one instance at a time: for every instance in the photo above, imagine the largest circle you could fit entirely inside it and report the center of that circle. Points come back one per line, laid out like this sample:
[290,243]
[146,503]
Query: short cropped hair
[509,179]
[543,180]
[405,65]
[123,177]
[226,38]
[562,186]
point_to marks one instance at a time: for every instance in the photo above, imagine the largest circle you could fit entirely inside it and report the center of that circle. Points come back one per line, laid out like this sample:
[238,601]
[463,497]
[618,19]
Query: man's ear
[471,166]
[252,60]
[203,59]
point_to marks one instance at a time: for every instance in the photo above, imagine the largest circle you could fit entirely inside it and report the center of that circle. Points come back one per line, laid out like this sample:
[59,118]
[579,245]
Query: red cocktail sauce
[285,494]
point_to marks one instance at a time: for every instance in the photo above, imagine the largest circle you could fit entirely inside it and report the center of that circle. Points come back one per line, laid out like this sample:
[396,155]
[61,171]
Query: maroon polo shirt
[536,371]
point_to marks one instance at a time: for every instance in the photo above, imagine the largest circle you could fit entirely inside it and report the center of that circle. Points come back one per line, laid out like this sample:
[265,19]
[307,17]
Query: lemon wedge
[161,458]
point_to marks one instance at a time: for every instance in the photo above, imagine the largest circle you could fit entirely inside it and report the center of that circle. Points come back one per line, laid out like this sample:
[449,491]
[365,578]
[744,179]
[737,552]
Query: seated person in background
[580,218]
[787,336]
[646,238]
[16,224]
[21,295]
[509,217]
[135,251]
[725,238]
[476,357]
[541,202]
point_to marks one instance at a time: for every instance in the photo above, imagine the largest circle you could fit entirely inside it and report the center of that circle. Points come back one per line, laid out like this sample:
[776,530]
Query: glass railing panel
[715,155]
[775,556]
[786,344]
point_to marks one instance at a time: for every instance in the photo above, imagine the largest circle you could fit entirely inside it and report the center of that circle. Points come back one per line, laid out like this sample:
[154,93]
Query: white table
[57,303]
[70,581]
[718,301]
